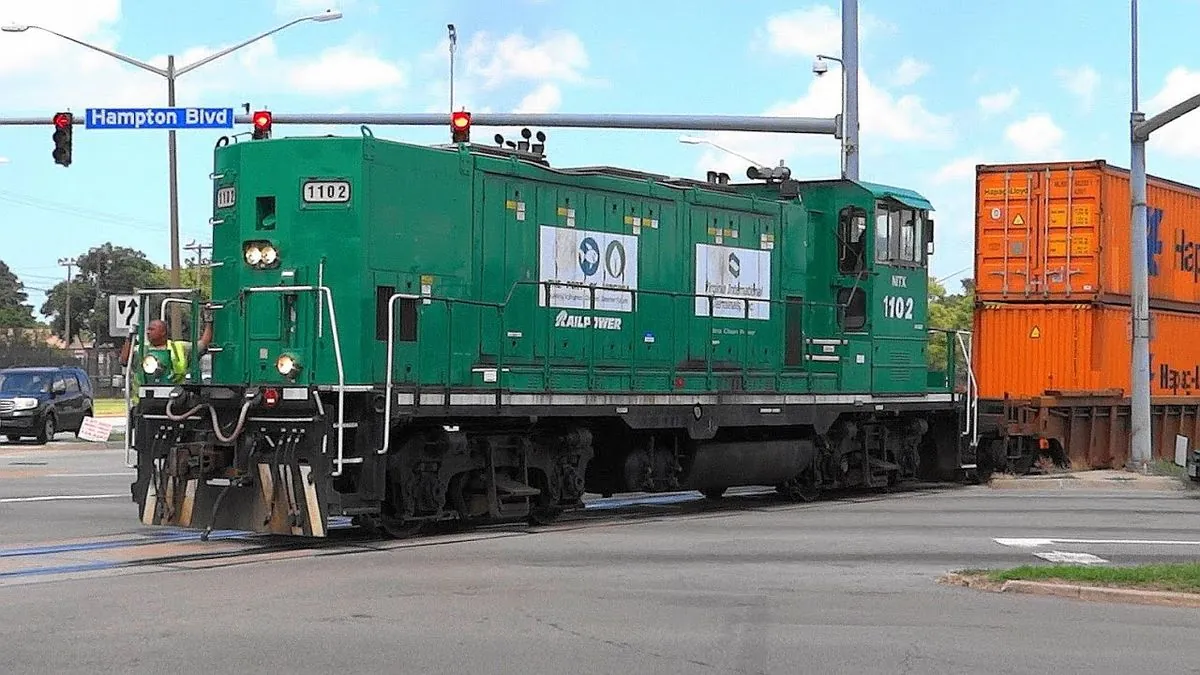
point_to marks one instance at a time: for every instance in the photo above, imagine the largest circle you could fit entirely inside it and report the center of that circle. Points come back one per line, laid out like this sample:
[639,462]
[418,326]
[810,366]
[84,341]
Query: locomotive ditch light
[287,365]
[152,366]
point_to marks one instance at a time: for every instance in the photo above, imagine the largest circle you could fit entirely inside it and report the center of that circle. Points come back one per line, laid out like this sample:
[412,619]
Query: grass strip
[108,407]
[1180,577]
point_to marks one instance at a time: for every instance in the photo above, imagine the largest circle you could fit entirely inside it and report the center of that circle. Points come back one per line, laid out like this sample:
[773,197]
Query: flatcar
[408,334]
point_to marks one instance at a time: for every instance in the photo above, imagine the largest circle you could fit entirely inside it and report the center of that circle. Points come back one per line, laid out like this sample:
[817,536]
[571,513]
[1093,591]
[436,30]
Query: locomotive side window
[852,240]
[899,234]
[853,302]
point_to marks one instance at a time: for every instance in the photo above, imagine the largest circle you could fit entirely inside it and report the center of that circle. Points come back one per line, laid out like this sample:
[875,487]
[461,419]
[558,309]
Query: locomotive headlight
[269,255]
[151,365]
[254,254]
[287,365]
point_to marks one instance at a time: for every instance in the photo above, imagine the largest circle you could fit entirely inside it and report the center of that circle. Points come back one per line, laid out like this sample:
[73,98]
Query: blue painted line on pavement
[655,500]
[59,569]
[158,538]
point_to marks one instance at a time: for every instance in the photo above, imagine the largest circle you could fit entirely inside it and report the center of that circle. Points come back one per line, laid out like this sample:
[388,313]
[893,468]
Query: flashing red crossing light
[63,129]
[460,127]
[262,125]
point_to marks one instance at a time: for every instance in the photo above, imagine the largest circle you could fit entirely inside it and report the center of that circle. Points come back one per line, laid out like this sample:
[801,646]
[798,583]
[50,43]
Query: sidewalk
[1105,479]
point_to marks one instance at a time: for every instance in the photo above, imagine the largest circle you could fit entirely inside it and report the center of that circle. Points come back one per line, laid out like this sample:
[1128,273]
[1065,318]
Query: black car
[40,402]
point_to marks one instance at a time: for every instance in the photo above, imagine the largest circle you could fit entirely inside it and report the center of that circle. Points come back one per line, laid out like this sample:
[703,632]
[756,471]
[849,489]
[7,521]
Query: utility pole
[1140,130]
[453,45]
[200,261]
[68,263]
[850,72]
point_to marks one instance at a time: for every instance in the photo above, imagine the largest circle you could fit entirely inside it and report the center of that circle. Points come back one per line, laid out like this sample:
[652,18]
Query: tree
[103,271]
[14,313]
[950,312]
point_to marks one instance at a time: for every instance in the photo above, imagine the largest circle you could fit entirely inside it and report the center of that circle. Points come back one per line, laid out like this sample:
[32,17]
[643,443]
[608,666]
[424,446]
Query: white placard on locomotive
[326,191]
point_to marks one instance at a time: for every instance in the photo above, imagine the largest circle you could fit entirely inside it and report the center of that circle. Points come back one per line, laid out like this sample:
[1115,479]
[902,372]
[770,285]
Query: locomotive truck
[407,334]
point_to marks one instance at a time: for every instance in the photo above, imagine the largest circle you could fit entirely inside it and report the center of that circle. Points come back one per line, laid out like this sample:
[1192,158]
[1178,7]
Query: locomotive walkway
[665,585]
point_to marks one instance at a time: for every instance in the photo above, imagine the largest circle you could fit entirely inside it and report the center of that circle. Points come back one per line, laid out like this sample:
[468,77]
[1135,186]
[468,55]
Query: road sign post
[122,314]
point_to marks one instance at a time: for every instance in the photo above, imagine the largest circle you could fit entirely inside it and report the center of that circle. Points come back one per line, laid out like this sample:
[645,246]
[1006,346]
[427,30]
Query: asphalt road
[751,586]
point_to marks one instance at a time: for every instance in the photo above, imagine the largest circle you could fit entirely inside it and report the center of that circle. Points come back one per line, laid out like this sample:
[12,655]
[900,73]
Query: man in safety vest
[179,351]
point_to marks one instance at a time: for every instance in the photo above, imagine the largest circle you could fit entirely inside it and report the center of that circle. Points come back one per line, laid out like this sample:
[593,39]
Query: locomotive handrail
[337,350]
[137,323]
[388,386]
[972,392]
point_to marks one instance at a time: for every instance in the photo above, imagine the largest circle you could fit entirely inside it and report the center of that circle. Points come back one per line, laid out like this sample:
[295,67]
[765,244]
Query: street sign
[159,118]
[122,314]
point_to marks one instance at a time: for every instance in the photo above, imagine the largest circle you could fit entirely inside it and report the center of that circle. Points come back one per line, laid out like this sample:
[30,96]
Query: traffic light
[63,127]
[262,125]
[460,127]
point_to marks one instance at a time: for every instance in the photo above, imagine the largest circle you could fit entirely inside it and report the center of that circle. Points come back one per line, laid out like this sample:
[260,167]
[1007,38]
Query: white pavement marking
[1070,558]
[54,498]
[1035,542]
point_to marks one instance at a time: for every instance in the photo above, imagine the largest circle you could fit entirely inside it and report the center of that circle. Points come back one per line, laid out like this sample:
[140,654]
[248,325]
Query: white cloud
[1036,137]
[1180,138]
[488,67]
[998,102]
[345,70]
[956,171]
[815,30]
[544,99]
[1082,82]
[41,71]
[884,119]
[560,57]
[909,71]
[3,160]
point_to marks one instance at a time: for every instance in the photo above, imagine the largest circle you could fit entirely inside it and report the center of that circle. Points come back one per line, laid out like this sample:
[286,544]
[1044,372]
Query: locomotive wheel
[802,488]
[544,515]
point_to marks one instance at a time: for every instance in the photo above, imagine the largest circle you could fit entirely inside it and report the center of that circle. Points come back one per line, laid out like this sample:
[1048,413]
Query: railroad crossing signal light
[460,127]
[262,125]
[63,128]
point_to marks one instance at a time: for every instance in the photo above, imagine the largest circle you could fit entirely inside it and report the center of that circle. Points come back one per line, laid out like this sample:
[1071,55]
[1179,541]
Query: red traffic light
[63,120]
[460,126]
[262,125]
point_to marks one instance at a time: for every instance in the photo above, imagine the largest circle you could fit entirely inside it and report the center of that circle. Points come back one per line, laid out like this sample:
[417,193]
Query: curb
[1078,592]
[1157,483]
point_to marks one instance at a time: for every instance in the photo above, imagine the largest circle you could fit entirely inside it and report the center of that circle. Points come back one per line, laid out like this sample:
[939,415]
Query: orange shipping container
[1026,350]
[1061,232]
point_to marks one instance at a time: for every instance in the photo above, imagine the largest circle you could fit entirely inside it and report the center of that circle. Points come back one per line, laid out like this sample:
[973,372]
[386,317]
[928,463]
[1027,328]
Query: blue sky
[945,84]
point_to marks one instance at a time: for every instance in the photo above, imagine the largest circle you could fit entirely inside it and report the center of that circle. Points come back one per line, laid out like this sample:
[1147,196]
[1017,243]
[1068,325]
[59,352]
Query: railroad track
[179,550]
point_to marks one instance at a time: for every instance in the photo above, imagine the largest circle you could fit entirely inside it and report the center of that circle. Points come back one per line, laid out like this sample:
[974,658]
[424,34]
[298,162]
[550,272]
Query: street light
[695,140]
[1140,129]
[819,68]
[171,73]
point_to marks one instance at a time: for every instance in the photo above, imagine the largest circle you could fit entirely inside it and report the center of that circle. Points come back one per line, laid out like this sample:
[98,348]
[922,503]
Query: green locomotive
[405,334]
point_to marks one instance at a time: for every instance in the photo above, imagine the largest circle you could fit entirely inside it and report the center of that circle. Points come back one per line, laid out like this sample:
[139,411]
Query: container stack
[1052,280]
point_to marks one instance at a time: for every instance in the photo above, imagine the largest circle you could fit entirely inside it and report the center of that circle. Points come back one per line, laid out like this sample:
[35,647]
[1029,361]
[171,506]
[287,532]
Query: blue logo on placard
[1154,245]
[589,256]
[735,265]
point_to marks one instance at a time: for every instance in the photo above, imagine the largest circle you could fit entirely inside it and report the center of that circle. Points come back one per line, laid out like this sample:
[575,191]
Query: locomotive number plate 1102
[326,191]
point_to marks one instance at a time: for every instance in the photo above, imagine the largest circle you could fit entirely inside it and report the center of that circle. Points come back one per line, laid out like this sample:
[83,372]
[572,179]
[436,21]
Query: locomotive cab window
[852,240]
[852,305]
[900,234]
